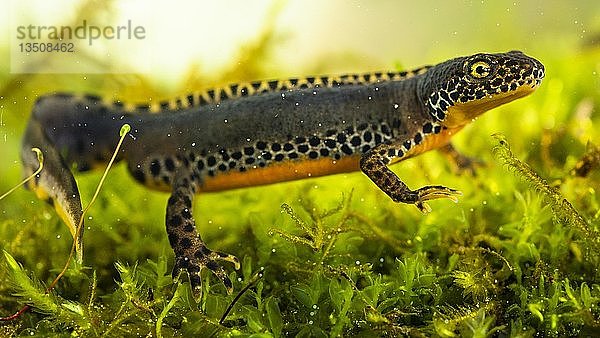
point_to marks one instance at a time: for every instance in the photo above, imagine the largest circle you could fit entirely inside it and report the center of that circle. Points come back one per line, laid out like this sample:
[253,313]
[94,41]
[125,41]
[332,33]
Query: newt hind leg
[374,164]
[191,253]
[460,163]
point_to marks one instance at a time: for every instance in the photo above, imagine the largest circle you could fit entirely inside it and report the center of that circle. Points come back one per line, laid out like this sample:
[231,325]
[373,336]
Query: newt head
[457,91]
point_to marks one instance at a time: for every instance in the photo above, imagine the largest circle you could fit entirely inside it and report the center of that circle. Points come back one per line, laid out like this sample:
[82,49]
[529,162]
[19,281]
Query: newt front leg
[374,164]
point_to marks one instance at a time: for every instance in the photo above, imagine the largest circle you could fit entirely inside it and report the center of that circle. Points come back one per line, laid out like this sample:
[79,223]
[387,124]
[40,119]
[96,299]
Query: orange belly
[280,172]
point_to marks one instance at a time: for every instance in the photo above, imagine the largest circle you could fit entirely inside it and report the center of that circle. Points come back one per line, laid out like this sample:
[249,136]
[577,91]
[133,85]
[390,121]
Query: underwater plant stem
[252,281]
[40,158]
[122,133]
[562,209]
[16,314]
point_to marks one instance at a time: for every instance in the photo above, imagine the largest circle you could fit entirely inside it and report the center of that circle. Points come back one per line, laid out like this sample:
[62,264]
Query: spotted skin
[191,253]
[265,132]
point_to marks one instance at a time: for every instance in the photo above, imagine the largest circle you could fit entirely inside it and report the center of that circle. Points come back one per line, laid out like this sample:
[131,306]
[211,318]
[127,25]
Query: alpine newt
[265,132]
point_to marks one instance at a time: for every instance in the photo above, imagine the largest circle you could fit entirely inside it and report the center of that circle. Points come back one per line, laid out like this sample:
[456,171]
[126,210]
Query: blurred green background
[202,44]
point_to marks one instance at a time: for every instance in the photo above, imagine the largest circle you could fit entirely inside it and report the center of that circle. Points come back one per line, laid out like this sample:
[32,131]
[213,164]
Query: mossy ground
[339,258]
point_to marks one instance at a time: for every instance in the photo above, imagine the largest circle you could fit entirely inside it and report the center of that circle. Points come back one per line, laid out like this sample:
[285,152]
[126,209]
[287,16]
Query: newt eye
[480,69]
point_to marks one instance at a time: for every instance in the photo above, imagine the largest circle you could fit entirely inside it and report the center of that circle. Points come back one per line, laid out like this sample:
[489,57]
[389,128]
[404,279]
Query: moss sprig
[562,209]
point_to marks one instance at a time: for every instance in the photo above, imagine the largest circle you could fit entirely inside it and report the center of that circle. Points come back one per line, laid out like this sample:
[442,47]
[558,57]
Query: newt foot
[434,192]
[205,258]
